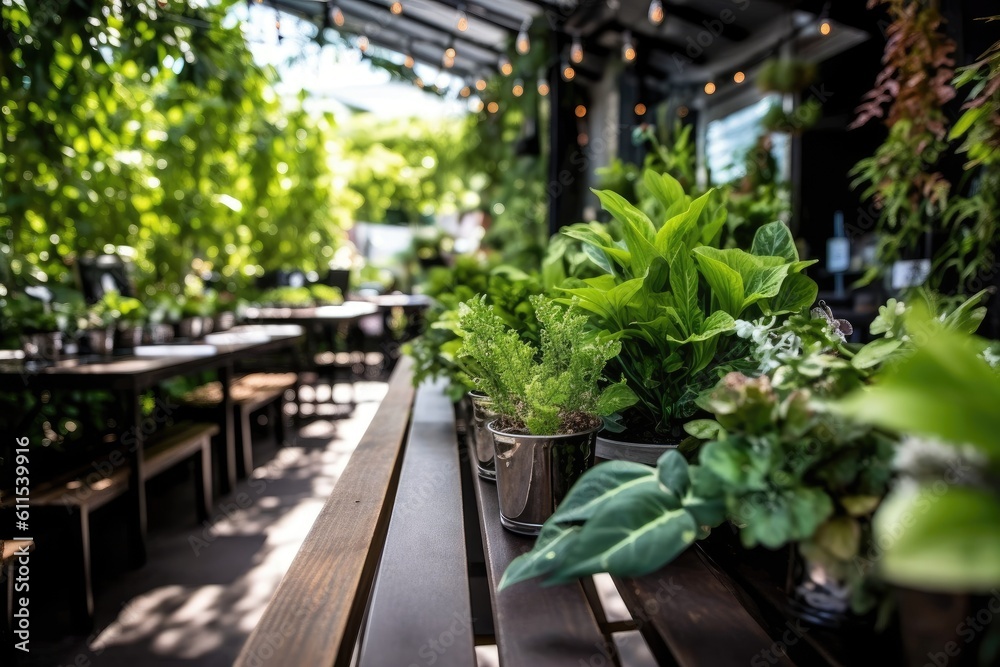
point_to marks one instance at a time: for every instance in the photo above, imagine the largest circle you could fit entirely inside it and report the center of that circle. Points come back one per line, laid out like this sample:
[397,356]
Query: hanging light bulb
[739,77]
[656,12]
[396,8]
[447,61]
[576,50]
[463,21]
[408,61]
[419,82]
[493,107]
[523,44]
[640,109]
[450,52]
[568,73]
[505,67]
[465,92]
[709,88]
[628,48]
[580,111]
[336,15]
[543,87]
[481,84]
[825,28]
[363,43]
[518,88]
[477,105]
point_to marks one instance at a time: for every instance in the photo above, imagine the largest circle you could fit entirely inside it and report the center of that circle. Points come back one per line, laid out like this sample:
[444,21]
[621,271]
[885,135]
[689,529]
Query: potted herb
[548,401]
[671,295]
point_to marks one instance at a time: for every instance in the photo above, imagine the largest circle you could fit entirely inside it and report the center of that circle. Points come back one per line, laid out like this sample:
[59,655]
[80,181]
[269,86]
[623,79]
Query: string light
[465,92]
[656,12]
[493,107]
[450,52]
[481,84]
[419,82]
[580,111]
[396,8]
[640,109]
[363,44]
[336,15]
[739,77]
[568,73]
[682,111]
[477,105]
[576,50]
[447,61]
[709,88]
[408,61]
[825,28]
[518,88]
[628,48]
[543,87]
[523,44]
[505,67]
[582,139]
[463,21]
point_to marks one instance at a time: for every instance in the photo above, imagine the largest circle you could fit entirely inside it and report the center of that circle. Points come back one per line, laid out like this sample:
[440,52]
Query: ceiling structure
[697,41]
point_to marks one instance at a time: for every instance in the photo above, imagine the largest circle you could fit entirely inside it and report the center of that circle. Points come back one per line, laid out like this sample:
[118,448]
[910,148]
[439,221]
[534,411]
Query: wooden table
[389,573]
[129,375]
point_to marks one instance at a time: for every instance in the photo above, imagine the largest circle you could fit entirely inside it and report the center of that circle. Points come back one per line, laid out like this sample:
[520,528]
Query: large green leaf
[875,352]
[672,471]
[678,230]
[636,533]
[637,229]
[684,285]
[797,291]
[717,323]
[663,187]
[615,398]
[598,486]
[601,242]
[726,283]
[547,554]
[775,239]
[947,541]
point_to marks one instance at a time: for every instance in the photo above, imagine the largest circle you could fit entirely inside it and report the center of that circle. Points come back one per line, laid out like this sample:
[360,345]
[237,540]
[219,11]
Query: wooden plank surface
[535,626]
[315,614]
[690,618]
[420,610]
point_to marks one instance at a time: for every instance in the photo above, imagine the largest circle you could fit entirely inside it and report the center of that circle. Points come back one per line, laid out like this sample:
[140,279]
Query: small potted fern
[548,402]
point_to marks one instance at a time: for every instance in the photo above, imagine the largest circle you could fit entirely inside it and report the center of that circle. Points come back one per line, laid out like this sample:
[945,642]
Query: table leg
[133,442]
[228,480]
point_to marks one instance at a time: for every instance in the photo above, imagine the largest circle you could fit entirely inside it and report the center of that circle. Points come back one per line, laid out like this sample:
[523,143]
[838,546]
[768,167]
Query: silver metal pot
[535,472]
[42,346]
[638,452]
[482,439]
[101,341]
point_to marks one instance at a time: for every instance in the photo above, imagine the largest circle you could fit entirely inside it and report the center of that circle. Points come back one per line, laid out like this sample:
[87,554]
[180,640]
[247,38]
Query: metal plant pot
[101,341]
[157,334]
[820,596]
[225,320]
[638,452]
[191,328]
[130,337]
[535,472]
[482,439]
[42,346]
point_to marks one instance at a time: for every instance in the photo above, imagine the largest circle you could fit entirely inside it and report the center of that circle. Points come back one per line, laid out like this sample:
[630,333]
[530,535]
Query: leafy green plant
[548,389]
[25,315]
[121,310]
[672,296]
[289,297]
[325,295]
[786,75]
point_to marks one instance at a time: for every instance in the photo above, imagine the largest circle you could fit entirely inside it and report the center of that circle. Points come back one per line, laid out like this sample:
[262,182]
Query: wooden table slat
[535,625]
[420,607]
[314,616]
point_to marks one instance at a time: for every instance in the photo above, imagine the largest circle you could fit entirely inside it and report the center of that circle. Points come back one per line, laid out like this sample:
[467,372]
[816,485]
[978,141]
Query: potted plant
[196,315]
[98,324]
[548,401]
[129,315]
[672,297]
[38,324]
[165,314]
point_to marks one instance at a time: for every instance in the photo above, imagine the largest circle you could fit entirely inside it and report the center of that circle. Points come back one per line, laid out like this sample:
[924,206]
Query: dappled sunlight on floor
[205,587]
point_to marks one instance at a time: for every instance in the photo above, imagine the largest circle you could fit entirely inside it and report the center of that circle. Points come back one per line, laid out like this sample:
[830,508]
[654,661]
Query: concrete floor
[205,587]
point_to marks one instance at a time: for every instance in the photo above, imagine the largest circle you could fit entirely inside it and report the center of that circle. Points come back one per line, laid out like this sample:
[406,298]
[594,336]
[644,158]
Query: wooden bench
[69,501]
[250,394]
[384,576]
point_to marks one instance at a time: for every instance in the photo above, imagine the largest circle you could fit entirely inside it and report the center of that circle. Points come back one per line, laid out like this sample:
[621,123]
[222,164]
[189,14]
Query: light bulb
[640,109]
[543,87]
[518,88]
[568,72]
[463,21]
[739,77]
[709,88]
[576,50]
[337,16]
[481,84]
[449,52]
[628,48]
[396,7]
[477,105]
[447,61]
[825,28]
[523,44]
[493,107]
[408,61]
[580,111]
[505,67]
[465,92]
[363,44]
[419,82]
[656,12]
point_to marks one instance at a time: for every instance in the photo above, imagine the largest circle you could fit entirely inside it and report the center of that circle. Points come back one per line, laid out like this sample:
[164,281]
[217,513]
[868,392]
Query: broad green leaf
[726,284]
[545,556]
[797,291]
[684,285]
[841,536]
[600,241]
[677,230]
[672,472]
[716,324]
[598,486]
[663,187]
[615,398]
[875,352]
[637,533]
[775,239]
[705,429]
[945,541]
[637,229]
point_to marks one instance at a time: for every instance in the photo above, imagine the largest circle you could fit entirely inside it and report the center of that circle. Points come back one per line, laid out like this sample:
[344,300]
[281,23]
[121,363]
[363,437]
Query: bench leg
[82,587]
[278,409]
[203,480]
[245,440]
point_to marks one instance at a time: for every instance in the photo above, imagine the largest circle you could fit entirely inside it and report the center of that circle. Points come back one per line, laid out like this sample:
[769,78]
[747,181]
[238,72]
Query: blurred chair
[99,274]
